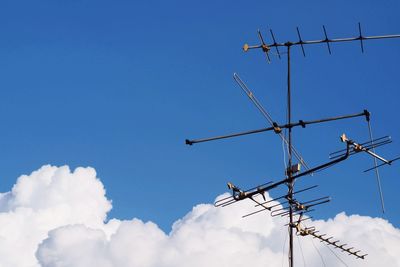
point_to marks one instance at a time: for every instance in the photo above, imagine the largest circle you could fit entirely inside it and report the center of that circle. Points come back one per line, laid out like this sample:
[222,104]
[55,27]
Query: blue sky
[119,86]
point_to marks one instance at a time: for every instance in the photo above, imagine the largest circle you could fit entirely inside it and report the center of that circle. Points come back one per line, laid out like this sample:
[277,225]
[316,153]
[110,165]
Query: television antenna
[293,208]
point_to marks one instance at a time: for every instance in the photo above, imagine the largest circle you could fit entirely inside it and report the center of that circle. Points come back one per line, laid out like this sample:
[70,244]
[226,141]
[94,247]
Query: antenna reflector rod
[300,41]
[264,46]
[275,44]
[361,37]
[327,40]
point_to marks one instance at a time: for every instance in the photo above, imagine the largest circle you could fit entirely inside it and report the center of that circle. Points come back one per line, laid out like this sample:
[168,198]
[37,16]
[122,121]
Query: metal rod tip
[188,142]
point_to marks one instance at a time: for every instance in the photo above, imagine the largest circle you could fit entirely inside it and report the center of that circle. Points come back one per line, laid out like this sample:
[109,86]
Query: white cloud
[55,217]
[47,199]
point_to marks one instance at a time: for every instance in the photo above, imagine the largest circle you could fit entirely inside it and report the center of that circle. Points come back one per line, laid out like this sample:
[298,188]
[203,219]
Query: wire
[284,246]
[287,144]
[283,149]
[378,177]
[276,54]
[322,259]
[284,154]
[320,170]
[336,255]
[301,250]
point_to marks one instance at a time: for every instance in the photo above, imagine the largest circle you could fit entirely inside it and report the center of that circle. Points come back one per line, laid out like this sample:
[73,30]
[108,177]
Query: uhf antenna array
[289,206]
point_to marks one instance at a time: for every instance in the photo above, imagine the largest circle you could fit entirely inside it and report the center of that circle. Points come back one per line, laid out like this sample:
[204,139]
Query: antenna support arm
[328,164]
[275,128]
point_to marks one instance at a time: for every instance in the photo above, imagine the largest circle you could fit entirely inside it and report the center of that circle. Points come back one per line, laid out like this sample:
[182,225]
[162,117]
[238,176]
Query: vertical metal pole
[289,170]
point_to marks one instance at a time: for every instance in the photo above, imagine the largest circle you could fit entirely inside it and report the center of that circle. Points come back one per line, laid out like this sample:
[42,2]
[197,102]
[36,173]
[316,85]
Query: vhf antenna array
[289,206]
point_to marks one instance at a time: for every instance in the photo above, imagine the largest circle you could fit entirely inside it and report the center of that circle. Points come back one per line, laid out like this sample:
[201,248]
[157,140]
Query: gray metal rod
[337,40]
[285,126]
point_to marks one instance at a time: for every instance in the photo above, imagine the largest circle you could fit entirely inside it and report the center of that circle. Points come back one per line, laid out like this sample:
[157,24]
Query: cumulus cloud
[44,200]
[55,218]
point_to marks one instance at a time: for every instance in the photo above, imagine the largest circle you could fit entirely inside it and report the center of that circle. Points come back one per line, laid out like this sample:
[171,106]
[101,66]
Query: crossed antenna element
[288,205]
[274,126]
[266,48]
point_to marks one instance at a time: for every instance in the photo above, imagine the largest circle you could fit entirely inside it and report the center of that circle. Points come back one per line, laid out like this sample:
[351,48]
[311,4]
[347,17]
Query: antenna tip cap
[230,185]
[343,138]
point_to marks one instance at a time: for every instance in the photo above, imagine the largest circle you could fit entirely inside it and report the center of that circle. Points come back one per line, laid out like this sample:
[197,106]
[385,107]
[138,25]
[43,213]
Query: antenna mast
[289,171]
[296,209]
